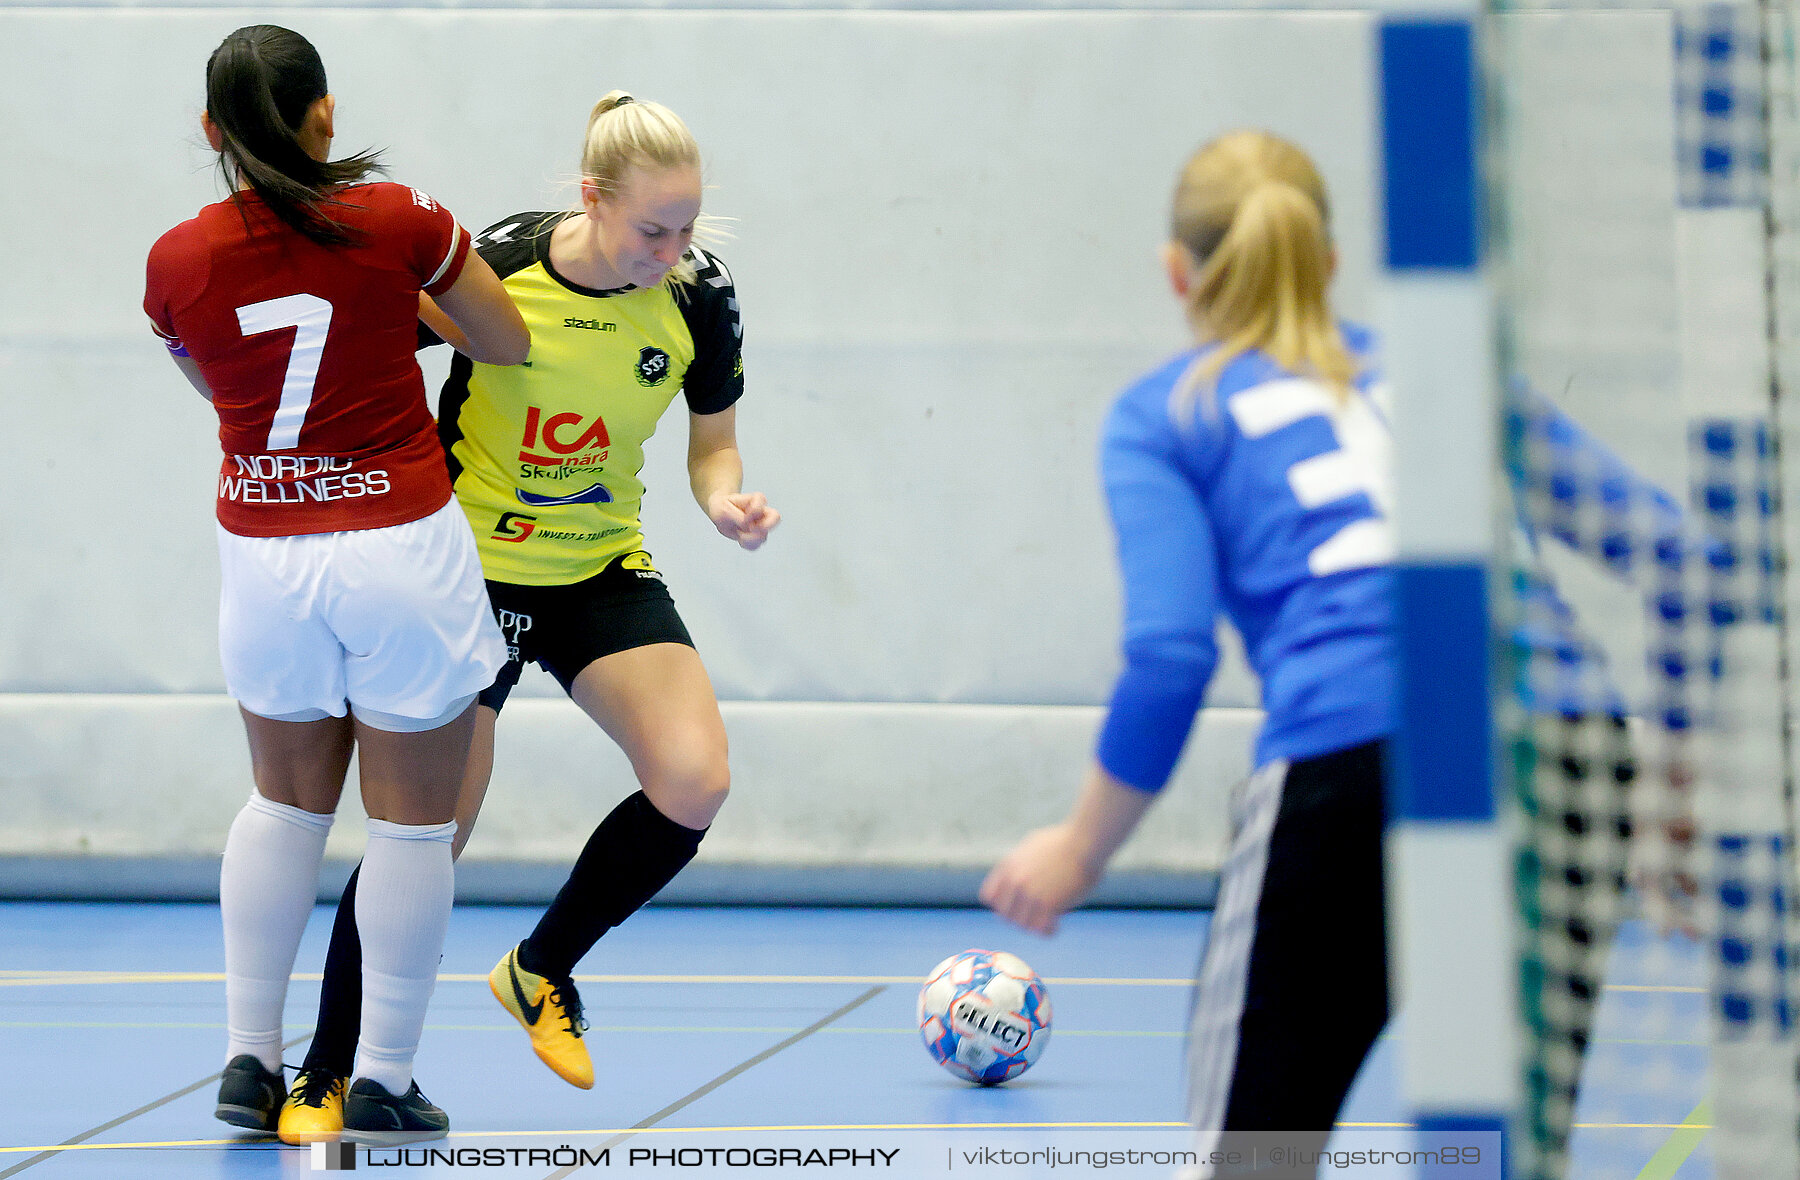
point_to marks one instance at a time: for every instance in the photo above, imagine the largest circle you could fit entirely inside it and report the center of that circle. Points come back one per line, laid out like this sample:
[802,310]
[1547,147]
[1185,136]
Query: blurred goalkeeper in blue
[1247,477]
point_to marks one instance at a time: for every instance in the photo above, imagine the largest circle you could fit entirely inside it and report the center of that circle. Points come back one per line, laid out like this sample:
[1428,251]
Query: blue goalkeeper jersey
[1258,496]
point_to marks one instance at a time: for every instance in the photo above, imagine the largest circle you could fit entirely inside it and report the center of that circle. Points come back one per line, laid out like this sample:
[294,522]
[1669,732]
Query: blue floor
[714,1031]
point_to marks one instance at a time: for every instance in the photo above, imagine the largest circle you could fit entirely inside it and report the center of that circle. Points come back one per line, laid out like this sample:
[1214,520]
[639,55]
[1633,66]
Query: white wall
[945,233]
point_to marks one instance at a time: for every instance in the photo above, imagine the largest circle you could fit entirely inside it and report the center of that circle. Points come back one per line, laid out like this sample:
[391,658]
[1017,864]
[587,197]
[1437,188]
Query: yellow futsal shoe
[314,1110]
[551,1013]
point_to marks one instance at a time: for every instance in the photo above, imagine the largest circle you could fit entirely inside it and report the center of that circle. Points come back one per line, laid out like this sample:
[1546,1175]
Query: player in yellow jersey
[624,311]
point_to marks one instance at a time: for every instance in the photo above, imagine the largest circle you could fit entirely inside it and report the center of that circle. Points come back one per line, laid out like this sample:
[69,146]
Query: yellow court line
[598,1028]
[1672,1154]
[863,979]
[1583,1126]
[65,978]
[704,1028]
[117,1024]
[130,1146]
[822,1127]
[735,1028]
[1644,1126]
[644,1131]
[1376,1126]
[46,978]
[1649,987]
[791,1127]
[836,1030]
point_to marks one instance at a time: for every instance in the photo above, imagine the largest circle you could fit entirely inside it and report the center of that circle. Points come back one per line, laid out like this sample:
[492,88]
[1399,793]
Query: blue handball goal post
[1593,319]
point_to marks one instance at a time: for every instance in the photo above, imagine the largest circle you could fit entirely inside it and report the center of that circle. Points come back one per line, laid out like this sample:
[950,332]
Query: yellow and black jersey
[545,455]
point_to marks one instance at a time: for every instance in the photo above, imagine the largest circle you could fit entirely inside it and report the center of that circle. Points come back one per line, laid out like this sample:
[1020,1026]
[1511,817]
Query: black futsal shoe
[377,1118]
[249,1095]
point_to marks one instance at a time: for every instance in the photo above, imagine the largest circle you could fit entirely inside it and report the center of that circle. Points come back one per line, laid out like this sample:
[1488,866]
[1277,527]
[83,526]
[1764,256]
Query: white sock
[402,914]
[268,883]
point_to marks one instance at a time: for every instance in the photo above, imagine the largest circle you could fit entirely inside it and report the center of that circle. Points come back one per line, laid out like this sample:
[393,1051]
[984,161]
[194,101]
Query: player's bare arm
[190,368]
[716,474]
[1052,869]
[486,321]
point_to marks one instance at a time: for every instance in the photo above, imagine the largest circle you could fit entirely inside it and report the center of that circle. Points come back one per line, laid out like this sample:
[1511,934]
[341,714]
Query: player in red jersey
[353,612]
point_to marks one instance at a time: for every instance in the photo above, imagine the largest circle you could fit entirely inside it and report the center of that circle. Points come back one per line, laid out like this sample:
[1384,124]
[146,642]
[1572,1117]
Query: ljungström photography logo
[333,1157]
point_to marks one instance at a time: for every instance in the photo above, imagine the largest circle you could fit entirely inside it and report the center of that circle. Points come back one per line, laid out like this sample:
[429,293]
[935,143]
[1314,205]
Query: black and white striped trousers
[1293,986]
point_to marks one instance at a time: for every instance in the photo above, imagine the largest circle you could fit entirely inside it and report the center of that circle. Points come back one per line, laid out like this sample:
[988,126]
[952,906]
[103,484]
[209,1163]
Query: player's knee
[690,788]
[707,784]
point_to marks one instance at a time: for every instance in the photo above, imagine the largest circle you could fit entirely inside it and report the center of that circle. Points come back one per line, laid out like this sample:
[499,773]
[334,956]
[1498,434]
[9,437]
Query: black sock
[340,992]
[632,854]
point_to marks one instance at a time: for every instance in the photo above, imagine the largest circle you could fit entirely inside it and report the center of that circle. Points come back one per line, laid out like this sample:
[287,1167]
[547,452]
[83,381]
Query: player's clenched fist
[744,517]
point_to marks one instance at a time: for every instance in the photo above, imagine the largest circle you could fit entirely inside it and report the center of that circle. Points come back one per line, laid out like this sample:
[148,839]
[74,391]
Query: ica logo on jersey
[569,439]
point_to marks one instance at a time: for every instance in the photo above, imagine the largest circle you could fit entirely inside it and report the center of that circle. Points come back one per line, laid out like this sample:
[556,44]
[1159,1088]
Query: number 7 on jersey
[310,317]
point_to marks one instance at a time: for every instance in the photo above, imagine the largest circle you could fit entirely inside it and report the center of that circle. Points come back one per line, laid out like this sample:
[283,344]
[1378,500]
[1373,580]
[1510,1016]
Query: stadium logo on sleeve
[598,494]
[652,366]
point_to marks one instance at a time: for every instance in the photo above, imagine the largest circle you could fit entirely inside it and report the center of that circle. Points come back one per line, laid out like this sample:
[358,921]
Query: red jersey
[309,353]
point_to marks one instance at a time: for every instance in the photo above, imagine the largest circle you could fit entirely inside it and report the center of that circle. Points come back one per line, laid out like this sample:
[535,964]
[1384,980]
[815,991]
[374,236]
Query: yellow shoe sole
[302,1135]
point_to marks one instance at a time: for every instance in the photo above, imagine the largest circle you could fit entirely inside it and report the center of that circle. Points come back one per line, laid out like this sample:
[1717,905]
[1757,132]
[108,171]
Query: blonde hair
[625,133]
[1251,210]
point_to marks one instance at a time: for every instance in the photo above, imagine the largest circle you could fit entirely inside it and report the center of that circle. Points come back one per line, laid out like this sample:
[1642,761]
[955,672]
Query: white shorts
[393,623]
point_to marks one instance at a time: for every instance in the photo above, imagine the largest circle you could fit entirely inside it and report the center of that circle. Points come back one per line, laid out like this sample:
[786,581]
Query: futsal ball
[984,1016]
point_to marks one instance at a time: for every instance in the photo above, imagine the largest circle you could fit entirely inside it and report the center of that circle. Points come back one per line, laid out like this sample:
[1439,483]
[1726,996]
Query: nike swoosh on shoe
[532,1011]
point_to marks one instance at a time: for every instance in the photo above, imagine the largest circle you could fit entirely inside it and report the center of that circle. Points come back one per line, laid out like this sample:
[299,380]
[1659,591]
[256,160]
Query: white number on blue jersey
[1362,463]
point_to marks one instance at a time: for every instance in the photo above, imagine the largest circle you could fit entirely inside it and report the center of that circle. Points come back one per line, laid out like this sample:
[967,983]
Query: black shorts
[1277,1039]
[563,629]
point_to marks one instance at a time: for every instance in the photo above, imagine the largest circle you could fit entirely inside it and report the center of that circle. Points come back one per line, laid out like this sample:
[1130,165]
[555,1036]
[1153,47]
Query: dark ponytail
[260,83]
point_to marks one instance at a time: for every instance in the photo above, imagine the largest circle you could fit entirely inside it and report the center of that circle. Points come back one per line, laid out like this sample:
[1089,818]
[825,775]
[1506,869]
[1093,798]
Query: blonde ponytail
[625,133]
[1250,210]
